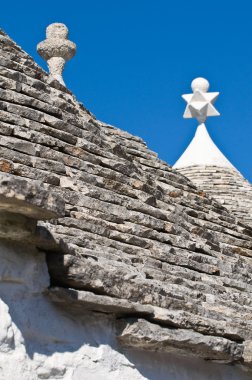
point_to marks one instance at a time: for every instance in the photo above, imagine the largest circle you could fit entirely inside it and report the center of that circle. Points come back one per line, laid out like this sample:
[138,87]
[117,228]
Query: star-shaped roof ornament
[200,103]
[201,151]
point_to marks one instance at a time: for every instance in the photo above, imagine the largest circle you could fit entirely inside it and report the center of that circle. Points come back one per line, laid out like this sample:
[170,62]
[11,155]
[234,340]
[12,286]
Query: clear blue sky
[137,57]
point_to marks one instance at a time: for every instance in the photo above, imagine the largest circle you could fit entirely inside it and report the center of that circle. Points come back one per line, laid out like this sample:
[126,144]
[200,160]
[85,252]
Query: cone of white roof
[202,150]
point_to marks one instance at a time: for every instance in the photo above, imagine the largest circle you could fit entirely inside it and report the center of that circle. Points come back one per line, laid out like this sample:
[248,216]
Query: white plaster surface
[41,341]
[202,151]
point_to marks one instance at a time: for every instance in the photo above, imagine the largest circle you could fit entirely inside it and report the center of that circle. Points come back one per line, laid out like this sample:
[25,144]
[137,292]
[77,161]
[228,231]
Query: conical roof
[206,166]
[202,151]
[226,185]
[134,232]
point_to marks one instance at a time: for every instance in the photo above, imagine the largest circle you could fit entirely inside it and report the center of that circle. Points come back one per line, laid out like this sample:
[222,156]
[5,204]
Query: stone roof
[137,238]
[206,166]
[226,185]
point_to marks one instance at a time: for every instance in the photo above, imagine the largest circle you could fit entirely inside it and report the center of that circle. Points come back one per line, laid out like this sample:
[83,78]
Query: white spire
[202,150]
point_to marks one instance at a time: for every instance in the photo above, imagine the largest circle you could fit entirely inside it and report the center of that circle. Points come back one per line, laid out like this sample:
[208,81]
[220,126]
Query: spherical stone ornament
[57,30]
[56,49]
[200,84]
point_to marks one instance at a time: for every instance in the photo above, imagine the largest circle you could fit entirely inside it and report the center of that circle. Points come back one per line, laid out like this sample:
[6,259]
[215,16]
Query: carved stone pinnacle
[56,49]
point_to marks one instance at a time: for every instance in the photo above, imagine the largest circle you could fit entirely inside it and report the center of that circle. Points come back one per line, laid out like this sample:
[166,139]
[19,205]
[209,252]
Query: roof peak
[202,151]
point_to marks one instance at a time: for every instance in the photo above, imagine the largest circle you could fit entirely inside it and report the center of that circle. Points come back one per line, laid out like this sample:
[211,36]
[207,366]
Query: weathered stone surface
[56,49]
[247,352]
[16,227]
[39,340]
[30,199]
[230,329]
[82,301]
[226,185]
[132,230]
[144,335]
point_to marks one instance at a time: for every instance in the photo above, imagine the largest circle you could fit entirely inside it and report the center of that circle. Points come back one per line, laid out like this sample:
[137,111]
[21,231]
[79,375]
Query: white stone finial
[56,49]
[200,103]
[201,84]
[202,151]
